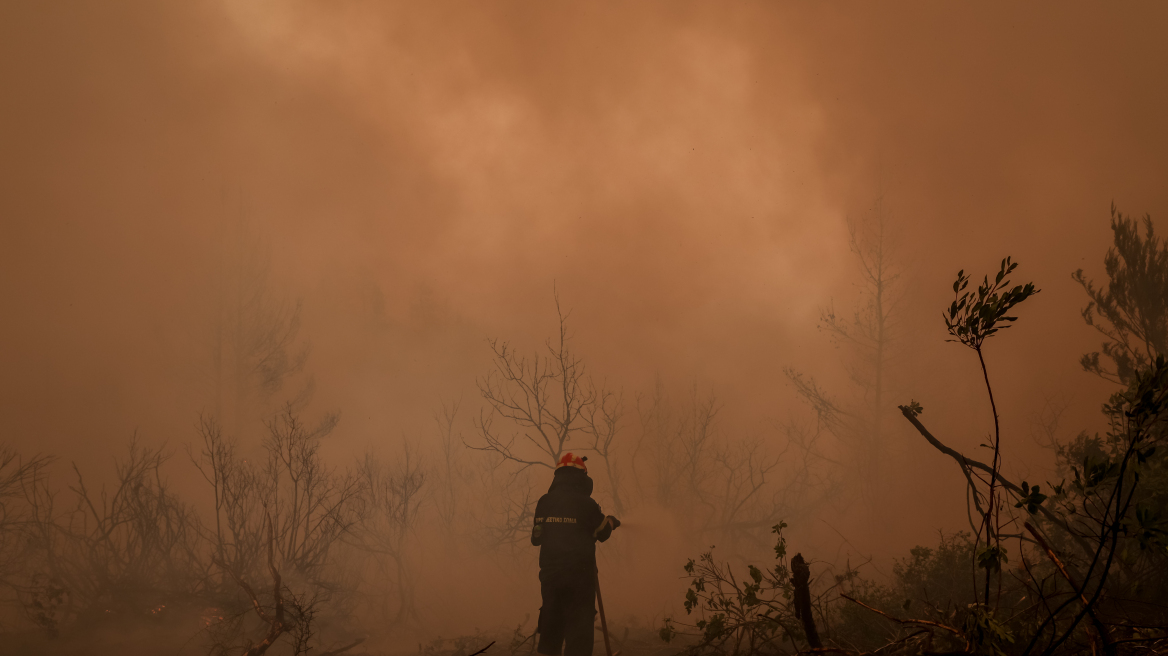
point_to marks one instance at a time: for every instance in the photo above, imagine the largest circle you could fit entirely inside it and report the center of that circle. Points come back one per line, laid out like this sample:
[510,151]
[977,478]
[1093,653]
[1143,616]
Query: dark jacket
[566,523]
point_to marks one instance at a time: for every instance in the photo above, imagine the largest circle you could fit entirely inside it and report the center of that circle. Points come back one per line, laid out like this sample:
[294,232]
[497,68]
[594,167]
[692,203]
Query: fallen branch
[936,625]
[483,649]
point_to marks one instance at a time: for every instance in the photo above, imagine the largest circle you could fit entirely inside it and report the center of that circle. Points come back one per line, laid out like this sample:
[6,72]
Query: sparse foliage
[739,614]
[1131,312]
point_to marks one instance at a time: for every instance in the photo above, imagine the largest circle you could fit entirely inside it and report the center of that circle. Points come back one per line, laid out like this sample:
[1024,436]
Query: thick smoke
[215,209]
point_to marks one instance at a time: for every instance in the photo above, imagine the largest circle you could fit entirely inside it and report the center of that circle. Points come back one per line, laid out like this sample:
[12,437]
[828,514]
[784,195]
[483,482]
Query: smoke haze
[423,176]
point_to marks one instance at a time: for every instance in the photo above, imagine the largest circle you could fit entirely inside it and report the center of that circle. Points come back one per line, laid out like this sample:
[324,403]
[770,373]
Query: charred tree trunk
[801,579]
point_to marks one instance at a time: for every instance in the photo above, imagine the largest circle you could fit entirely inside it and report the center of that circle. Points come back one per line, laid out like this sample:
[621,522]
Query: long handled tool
[603,622]
[613,522]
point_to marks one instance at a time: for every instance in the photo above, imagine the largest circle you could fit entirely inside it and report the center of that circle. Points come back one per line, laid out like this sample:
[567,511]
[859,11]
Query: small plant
[739,616]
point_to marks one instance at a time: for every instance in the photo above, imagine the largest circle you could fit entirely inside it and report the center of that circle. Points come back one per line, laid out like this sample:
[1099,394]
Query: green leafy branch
[974,317]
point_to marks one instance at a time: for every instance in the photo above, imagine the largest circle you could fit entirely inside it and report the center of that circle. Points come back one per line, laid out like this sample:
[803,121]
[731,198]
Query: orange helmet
[570,460]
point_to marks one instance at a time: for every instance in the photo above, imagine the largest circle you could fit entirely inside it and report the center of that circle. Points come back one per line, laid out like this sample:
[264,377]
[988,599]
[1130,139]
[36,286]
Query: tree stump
[801,578]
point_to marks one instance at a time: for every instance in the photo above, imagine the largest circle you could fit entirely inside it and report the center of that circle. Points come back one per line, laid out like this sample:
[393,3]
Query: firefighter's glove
[613,521]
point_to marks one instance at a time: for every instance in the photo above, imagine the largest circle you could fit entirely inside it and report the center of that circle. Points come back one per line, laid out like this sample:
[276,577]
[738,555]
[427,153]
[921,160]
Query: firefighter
[568,524]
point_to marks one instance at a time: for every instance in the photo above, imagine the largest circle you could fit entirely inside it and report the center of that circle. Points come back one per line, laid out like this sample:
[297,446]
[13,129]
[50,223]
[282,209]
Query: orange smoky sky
[424,175]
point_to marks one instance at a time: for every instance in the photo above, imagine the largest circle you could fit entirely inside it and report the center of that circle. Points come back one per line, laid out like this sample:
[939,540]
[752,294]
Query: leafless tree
[694,444]
[291,505]
[603,424]
[506,502]
[718,486]
[1046,422]
[655,420]
[237,495]
[312,505]
[538,408]
[276,619]
[542,400]
[871,328]
[868,335]
[675,443]
[451,476]
[18,478]
[288,614]
[25,526]
[127,550]
[395,495]
[738,506]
